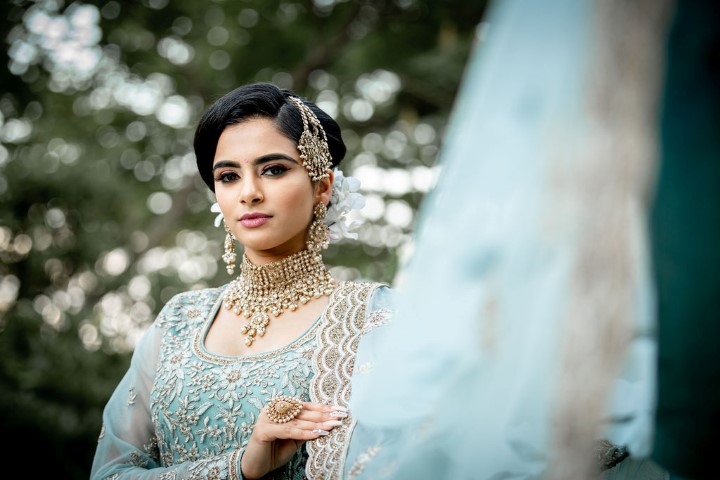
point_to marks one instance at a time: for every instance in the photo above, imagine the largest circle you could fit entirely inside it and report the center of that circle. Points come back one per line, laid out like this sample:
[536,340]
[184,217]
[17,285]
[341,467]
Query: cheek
[300,202]
[228,201]
[224,199]
[300,211]
[297,197]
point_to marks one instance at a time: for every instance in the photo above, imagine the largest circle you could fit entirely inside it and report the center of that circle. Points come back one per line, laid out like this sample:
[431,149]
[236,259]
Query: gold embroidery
[151,449]
[337,341]
[234,470]
[202,409]
[137,459]
[362,460]
[376,319]
[212,468]
[197,345]
[209,357]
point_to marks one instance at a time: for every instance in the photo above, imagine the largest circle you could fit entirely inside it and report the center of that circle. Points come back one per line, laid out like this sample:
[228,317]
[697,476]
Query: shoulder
[380,308]
[375,291]
[377,299]
[363,285]
[197,297]
[188,307]
[365,291]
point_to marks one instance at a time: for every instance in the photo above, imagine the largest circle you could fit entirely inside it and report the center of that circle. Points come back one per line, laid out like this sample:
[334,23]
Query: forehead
[252,138]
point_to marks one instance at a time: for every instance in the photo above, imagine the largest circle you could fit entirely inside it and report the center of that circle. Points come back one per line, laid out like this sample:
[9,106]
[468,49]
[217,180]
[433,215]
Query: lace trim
[337,342]
[213,468]
[235,473]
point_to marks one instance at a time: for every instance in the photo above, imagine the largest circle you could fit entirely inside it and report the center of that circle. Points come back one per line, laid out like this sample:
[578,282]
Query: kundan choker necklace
[264,290]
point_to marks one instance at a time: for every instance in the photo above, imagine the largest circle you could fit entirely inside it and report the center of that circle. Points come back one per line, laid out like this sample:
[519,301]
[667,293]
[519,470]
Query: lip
[253,220]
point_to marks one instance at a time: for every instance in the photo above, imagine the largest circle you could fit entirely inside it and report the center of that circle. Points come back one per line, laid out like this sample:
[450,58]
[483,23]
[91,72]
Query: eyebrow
[270,157]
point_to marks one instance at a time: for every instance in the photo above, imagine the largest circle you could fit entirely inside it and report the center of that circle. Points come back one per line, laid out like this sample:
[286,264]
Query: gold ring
[283,409]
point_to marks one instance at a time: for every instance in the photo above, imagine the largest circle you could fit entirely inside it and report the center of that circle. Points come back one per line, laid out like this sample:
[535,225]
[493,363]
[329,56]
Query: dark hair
[258,100]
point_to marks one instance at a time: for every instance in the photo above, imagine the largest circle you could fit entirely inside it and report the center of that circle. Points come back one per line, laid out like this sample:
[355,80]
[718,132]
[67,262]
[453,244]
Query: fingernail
[321,432]
[338,414]
[334,423]
[338,407]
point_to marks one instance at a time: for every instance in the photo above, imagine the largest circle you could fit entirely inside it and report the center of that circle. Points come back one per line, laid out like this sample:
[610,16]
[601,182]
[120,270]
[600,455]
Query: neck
[281,271]
[264,291]
[268,257]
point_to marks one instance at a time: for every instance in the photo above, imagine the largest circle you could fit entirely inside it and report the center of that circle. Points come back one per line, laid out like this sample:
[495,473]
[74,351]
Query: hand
[271,445]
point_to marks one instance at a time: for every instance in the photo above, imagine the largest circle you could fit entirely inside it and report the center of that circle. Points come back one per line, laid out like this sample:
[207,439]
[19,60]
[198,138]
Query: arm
[127,447]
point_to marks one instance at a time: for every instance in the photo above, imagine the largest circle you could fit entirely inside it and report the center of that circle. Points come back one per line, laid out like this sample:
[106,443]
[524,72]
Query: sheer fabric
[524,327]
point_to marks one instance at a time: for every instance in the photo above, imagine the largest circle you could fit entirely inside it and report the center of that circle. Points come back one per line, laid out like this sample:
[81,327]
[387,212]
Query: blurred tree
[102,215]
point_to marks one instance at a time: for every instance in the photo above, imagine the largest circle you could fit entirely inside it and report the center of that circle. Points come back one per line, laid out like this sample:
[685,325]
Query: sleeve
[379,309]
[127,447]
[378,314]
[372,448]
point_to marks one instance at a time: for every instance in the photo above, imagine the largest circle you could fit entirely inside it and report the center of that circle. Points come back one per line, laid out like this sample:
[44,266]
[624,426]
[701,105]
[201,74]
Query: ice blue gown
[183,412]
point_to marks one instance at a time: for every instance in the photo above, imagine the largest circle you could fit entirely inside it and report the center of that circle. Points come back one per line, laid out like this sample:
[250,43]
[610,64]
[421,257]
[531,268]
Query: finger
[305,425]
[321,407]
[293,430]
[296,433]
[316,416]
[313,412]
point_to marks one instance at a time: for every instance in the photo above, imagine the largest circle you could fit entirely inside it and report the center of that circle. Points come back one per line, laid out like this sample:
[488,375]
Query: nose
[251,192]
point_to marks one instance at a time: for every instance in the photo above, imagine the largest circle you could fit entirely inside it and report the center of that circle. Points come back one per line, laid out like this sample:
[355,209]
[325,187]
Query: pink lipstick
[253,220]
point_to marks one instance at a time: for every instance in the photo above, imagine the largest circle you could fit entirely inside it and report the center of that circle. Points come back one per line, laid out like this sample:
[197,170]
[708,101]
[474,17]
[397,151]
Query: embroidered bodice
[184,412]
[202,398]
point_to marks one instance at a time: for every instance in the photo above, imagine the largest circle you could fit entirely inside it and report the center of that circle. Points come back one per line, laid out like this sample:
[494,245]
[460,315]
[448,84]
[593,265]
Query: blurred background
[102,215]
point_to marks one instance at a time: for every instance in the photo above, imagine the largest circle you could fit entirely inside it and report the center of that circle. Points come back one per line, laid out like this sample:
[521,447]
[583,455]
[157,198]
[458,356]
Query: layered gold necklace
[262,291]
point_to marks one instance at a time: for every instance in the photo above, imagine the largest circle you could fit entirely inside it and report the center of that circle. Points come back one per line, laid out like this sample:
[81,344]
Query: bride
[254,377]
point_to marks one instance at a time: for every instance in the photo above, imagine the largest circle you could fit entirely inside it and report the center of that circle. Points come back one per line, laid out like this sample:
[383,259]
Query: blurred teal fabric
[686,246]
[468,374]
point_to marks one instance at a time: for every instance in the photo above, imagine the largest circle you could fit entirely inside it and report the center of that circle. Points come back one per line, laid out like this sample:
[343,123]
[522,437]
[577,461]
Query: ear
[323,188]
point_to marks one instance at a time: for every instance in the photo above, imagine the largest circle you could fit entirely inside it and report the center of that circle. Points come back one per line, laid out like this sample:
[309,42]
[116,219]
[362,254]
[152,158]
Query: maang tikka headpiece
[313,145]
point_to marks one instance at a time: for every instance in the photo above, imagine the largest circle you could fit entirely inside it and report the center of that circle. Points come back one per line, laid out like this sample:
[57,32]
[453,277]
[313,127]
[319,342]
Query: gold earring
[229,256]
[318,234]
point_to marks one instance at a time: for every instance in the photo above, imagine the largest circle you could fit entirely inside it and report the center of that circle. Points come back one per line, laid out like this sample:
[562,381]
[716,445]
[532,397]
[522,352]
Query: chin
[271,242]
[275,248]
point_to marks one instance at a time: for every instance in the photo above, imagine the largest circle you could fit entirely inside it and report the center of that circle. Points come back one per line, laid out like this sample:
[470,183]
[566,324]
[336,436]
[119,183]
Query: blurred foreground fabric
[686,246]
[528,314]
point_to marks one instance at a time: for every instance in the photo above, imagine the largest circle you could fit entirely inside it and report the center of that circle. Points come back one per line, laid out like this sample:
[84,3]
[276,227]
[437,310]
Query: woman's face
[264,191]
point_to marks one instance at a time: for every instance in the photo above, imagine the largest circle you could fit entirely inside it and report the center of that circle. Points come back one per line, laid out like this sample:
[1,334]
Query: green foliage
[102,216]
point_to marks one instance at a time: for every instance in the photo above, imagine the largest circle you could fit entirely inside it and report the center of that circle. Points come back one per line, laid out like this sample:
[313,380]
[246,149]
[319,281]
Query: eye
[227,177]
[275,170]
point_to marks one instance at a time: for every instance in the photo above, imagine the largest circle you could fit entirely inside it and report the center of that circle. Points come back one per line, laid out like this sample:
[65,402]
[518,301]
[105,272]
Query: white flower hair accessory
[345,197]
[216,209]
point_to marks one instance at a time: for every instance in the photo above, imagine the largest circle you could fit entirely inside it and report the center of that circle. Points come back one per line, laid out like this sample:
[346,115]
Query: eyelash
[223,177]
[282,169]
[231,176]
